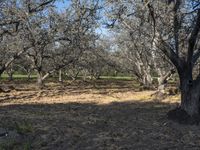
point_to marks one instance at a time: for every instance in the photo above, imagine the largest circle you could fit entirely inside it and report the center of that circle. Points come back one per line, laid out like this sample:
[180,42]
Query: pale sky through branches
[62,4]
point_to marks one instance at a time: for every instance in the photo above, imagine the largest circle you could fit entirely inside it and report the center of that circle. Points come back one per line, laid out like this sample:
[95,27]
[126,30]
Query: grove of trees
[151,40]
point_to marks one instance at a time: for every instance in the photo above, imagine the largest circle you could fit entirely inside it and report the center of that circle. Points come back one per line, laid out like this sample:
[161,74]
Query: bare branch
[193,38]
[196,56]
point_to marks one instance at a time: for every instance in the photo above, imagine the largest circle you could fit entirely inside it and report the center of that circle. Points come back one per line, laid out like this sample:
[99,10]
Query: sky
[62,4]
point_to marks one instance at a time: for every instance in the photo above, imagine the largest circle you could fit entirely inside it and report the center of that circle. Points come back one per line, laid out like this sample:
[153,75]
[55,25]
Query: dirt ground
[106,115]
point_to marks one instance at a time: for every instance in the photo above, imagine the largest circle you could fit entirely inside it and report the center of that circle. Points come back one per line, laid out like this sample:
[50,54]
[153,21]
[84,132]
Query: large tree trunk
[190,95]
[188,112]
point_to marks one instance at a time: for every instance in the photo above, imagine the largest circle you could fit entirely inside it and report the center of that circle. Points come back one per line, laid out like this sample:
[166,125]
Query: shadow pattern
[88,126]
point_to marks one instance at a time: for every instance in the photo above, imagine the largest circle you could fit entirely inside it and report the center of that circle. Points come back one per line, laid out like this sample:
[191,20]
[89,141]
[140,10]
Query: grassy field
[17,76]
[107,115]
[21,76]
[116,77]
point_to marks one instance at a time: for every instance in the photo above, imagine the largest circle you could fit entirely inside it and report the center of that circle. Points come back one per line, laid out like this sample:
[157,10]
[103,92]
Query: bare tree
[173,29]
[135,44]
[13,17]
[176,34]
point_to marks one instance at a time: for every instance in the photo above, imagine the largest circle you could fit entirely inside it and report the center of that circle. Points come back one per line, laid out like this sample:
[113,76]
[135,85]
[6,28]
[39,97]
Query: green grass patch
[17,76]
[116,77]
[55,78]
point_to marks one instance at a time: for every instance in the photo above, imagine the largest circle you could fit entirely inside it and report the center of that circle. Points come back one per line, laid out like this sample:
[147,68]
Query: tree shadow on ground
[88,126]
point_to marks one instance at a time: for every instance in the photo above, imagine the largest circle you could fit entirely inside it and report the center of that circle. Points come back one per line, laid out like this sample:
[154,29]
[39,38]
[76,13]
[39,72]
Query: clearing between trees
[108,114]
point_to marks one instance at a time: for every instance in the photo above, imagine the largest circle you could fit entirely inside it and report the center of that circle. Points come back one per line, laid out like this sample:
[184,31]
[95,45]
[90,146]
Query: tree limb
[193,38]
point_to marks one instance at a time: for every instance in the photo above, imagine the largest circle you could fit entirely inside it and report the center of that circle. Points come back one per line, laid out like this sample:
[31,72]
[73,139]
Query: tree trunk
[84,77]
[190,95]
[147,80]
[162,81]
[29,75]
[10,76]
[2,69]
[188,112]
[76,75]
[60,75]
[39,79]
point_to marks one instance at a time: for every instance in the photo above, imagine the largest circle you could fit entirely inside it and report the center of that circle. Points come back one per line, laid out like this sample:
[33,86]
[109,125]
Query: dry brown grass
[103,92]
[107,115]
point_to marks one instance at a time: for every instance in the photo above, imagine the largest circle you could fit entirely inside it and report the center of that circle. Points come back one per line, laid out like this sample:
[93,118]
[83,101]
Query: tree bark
[29,75]
[10,76]
[60,75]
[190,95]
[162,81]
[147,80]
[39,80]
[2,69]
[188,112]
